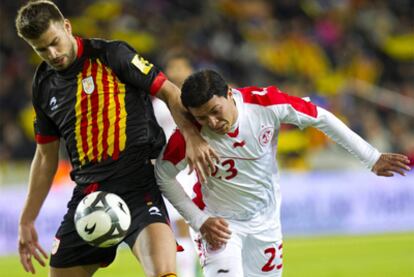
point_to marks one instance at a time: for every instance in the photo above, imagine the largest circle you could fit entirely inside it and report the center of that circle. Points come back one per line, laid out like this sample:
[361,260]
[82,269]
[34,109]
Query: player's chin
[59,67]
[222,130]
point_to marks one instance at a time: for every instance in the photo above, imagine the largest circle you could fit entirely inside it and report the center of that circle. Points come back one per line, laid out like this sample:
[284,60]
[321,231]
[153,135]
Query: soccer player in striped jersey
[95,95]
[235,215]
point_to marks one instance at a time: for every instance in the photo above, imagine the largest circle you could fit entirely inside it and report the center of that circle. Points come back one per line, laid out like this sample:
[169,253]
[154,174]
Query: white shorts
[248,255]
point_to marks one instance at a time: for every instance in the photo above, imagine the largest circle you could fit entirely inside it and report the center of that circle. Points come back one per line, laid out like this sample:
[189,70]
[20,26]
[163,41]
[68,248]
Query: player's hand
[390,163]
[29,247]
[200,157]
[215,230]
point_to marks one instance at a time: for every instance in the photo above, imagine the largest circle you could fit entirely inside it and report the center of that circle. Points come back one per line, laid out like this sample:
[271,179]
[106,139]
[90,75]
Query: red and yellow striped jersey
[101,107]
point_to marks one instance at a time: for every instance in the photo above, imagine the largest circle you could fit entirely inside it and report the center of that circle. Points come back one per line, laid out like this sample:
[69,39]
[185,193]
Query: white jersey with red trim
[245,182]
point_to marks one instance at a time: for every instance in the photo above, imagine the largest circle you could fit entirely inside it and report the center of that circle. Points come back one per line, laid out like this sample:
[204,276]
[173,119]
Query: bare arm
[199,154]
[42,171]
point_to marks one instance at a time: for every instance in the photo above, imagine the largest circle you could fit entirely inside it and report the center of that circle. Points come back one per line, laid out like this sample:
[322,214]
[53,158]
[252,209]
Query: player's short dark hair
[34,18]
[201,86]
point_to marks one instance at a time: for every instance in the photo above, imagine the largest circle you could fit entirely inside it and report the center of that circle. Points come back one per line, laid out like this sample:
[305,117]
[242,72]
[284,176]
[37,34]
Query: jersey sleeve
[168,165]
[344,136]
[133,69]
[285,108]
[303,113]
[45,129]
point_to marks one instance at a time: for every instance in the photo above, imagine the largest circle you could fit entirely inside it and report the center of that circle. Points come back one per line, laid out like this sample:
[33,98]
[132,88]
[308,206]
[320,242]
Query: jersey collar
[234,130]
[79,42]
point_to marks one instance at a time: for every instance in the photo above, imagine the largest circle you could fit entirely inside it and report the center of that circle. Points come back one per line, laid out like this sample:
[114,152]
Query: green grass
[366,256]
[389,255]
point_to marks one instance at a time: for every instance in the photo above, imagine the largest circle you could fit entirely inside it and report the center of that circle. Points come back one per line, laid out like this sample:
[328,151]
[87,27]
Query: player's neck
[75,51]
[75,45]
[235,114]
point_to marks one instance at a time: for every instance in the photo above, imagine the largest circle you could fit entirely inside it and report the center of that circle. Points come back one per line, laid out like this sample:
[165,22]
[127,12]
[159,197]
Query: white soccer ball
[102,219]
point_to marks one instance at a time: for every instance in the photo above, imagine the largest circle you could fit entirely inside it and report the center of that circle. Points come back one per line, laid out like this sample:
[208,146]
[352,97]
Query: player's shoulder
[111,52]
[109,46]
[272,97]
[175,149]
[42,73]
[263,96]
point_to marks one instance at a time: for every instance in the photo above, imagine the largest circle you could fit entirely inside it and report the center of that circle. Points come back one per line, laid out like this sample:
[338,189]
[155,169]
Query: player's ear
[229,93]
[67,26]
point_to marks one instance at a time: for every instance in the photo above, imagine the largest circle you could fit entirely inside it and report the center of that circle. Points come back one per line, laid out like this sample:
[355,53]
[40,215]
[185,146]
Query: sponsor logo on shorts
[154,211]
[55,246]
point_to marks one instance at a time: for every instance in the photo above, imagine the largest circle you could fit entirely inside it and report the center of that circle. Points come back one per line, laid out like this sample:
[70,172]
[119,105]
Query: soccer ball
[102,219]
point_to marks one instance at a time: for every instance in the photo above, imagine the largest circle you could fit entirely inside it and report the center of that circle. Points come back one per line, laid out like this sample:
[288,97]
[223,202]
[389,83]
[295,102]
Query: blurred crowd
[315,48]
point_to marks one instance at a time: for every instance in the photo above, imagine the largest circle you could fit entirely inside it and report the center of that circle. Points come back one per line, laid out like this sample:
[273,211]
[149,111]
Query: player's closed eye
[215,111]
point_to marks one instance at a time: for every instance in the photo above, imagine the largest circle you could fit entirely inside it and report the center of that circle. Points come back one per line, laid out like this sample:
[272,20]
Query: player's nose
[212,122]
[51,53]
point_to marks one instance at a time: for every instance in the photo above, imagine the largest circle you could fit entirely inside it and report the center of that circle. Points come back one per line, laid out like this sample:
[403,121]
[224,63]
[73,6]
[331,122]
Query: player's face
[178,70]
[56,45]
[219,114]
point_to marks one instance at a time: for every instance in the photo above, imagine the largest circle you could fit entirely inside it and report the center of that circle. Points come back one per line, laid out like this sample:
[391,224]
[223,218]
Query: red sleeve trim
[157,83]
[180,248]
[273,96]
[79,41]
[175,150]
[45,139]
[198,199]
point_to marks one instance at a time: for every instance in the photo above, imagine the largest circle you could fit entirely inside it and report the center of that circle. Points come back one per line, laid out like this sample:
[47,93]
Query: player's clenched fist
[216,231]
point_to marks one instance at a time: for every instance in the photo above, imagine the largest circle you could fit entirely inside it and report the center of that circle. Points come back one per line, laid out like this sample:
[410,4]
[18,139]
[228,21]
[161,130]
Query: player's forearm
[179,113]
[187,127]
[341,134]
[42,172]
[183,204]
[175,193]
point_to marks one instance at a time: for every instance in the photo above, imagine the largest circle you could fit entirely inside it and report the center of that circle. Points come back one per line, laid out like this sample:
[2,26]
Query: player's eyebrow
[44,47]
[204,115]
[213,108]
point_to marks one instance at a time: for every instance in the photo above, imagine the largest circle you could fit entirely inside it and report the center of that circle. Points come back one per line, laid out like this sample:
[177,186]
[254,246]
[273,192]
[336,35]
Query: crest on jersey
[265,136]
[88,85]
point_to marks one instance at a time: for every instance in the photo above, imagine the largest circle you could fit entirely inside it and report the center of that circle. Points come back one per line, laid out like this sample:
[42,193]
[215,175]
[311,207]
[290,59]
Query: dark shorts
[141,194]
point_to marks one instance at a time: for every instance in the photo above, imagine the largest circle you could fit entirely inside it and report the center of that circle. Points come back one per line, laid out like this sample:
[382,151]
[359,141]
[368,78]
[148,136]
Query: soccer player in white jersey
[235,215]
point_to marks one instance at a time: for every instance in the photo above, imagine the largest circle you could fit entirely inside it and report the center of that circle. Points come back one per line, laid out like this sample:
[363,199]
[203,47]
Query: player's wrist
[26,221]
[199,221]
[375,158]
[189,133]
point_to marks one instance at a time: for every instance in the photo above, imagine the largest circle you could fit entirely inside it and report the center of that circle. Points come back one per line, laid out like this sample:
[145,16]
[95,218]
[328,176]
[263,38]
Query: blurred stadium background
[353,57]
